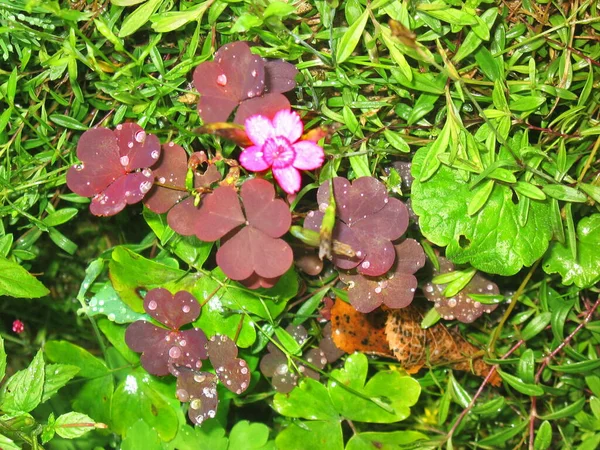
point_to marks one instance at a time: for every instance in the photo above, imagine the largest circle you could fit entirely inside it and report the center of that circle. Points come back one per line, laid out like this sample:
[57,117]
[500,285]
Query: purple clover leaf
[368,220]
[200,390]
[114,168]
[277,146]
[239,78]
[395,289]
[165,350]
[274,364]
[232,371]
[170,194]
[251,251]
[460,306]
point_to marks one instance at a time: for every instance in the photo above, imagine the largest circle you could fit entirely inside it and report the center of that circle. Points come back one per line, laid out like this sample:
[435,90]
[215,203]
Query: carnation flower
[277,146]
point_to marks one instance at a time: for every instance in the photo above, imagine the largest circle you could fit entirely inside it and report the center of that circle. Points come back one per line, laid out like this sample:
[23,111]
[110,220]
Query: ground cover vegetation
[316,224]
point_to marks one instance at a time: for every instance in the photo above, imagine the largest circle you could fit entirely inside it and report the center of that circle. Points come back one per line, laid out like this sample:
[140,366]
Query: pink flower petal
[258,129]
[288,124]
[309,155]
[252,159]
[288,178]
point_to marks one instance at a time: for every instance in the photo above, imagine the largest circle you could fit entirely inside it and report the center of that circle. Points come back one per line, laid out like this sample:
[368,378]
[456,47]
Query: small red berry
[18,326]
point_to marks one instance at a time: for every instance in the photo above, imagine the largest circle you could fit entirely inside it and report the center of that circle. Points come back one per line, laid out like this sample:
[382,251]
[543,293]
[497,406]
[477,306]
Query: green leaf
[584,270]
[129,271]
[493,240]
[481,194]
[55,377]
[529,190]
[537,324]
[395,140]
[141,436]
[66,353]
[8,444]
[108,303]
[530,103]
[216,317]
[524,388]
[2,359]
[289,343]
[139,17]
[73,425]
[278,9]
[500,438]
[591,190]
[450,15]
[391,388]
[248,435]
[190,249]
[309,400]
[386,441]
[567,411]
[430,163]
[246,22]
[526,366]
[311,435]
[351,37]
[23,391]
[17,282]
[564,193]
[172,20]
[578,367]
[67,122]
[59,217]
[116,336]
[543,437]
[95,398]
[360,165]
[139,396]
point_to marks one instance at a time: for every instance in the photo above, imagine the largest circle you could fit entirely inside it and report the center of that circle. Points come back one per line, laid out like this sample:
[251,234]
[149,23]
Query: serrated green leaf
[73,425]
[23,391]
[55,377]
[493,240]
[584,270]
[67,353]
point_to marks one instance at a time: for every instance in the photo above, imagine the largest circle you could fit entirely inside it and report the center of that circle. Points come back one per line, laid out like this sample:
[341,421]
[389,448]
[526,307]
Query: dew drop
[130,144]
[145,186]
[182,395]
[477,305]
[147,173]
[155,154]
[452,302]
[124,160]
[196,404]
[199,378]
[140,136]
[429,288]
[211,414]
[378,290]
[111,317]
[78,167]
[244,371]
[359,254]
[152,305]
[162,180]
[282,369]
[222,80]
[119,127]
[186,308]
[174,352]
[386,200]
[183,342]
[365,265]
[253,73]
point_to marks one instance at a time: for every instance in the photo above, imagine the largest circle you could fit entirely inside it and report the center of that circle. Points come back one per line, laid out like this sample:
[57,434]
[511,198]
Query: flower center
[278,152]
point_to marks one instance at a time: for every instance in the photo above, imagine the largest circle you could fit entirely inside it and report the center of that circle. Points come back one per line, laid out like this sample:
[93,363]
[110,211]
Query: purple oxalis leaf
[200,390]
[110,164]
[232,371]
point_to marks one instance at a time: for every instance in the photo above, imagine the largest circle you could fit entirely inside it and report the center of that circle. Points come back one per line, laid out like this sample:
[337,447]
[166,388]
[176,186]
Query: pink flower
[18,326]
[277,146]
